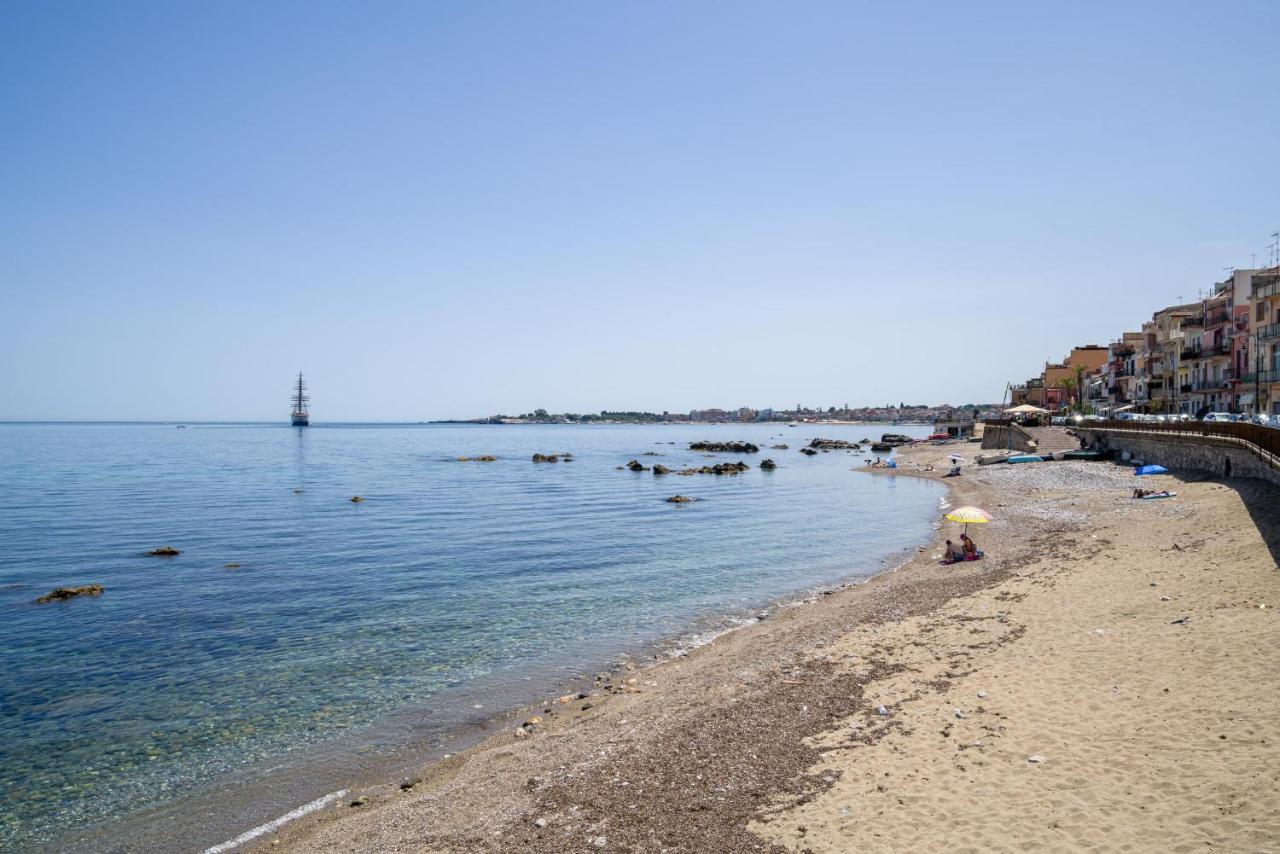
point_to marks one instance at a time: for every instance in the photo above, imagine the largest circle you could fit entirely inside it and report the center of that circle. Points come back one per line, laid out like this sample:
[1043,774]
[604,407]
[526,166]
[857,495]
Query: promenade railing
[1266,439]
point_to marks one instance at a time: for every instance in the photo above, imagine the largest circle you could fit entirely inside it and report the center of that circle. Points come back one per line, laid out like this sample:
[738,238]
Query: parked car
[1220,417]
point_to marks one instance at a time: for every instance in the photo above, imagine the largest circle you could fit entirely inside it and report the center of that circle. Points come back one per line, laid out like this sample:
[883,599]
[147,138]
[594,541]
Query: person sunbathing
[970,548]
[954,553]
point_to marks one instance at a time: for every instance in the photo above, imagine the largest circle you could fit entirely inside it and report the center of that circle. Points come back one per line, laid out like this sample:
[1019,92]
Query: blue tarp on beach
[1151,469]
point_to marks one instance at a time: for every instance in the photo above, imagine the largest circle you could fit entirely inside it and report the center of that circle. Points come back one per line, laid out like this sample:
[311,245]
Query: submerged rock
[729,447]
[780,447]
[658,468]
[809,452]
[231,566]
[164,551]
[356,499]
[487,458]
[718,468]
[680,499]
[63,593]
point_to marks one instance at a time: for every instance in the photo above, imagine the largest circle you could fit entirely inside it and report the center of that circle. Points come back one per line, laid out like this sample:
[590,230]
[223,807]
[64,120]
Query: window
[1261,315]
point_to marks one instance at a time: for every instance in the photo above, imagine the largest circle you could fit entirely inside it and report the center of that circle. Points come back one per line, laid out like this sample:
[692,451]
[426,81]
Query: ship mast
[300,399]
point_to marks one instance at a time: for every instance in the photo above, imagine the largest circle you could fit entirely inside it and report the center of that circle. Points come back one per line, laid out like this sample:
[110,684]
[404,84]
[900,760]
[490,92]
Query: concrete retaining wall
[1213,455]
[996,437]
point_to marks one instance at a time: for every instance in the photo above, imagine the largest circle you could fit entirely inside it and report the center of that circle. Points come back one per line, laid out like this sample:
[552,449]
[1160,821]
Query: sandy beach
[1105,679]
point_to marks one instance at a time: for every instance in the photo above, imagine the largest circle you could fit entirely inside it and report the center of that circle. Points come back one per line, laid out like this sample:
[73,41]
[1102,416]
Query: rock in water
[729,447]
[768,465]
[659,468]
[635,465]
[545,458]
[829,444]
[779,447]
[356,499]
[62,593]
[680,499]
[809,452]
[164,551]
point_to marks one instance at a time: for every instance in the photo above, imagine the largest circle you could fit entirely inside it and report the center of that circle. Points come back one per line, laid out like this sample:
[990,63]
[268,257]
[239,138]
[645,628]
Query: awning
[1124,408]
[1024,409]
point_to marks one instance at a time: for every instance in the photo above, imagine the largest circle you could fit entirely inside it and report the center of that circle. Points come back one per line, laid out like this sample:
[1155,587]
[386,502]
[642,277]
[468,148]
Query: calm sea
[194,699]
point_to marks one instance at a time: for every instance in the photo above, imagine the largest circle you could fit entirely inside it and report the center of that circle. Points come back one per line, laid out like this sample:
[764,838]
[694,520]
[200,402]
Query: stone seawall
[1217,456]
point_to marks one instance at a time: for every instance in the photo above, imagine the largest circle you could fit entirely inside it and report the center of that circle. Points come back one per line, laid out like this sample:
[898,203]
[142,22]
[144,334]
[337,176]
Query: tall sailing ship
[301,415]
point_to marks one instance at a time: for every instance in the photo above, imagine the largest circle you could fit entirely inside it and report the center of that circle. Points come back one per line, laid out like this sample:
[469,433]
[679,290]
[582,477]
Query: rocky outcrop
[726,447]
[553,458]
[881,446]
[833,444]
[896,439]
[718,468]
[164,551]
[768,465]
[635,465]
[658,468]
[61,594]
[809,452]
[680,499]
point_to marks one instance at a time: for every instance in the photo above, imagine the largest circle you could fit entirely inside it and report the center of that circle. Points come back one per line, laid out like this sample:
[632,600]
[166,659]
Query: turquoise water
[453,585]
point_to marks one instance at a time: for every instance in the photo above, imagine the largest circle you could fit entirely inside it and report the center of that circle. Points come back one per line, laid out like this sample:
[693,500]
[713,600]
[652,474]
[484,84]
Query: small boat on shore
[990,459]
[1025,458]
[1084,454]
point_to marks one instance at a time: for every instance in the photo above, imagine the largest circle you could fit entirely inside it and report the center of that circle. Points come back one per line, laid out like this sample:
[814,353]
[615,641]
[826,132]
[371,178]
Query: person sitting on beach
[970,548]
[954,553]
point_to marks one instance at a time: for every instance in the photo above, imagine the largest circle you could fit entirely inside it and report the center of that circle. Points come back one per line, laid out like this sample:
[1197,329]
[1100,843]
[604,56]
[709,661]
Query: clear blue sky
[455,209]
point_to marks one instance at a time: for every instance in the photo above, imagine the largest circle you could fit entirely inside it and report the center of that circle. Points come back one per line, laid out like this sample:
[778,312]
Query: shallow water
[452,590]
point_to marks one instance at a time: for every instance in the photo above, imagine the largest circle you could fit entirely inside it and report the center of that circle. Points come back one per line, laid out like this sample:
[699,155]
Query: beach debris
[680,499]
[406,785]
[60,594]
[540,823]
[356,499]
[982,695]
[1170,599]
[882,711]
[1036,759]
[164,551]
[960,715]
[360,801]
[728,447]
[521,732]
[768,465]
[1180,621]
[658,468]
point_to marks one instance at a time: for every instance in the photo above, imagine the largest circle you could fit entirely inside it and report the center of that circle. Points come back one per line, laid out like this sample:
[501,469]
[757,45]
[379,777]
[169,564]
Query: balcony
[1185,388]
[1268,332]
[1266,286]
[1193,322]
[1189,353]
[1217,317]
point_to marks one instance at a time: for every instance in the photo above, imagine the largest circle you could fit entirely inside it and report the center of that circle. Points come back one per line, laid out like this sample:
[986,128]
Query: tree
[1068,385]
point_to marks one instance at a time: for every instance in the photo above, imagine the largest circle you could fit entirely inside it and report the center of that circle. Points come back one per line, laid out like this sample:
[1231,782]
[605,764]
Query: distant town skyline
[440,211]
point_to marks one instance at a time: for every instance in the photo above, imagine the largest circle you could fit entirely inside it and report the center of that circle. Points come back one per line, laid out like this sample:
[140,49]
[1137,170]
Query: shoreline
[737,744]
[496,730]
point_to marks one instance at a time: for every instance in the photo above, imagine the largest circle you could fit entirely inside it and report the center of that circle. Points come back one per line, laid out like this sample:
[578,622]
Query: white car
[1217,416]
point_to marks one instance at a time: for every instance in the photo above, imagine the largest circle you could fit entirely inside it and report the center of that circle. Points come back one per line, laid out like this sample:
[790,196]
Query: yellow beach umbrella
[969,516]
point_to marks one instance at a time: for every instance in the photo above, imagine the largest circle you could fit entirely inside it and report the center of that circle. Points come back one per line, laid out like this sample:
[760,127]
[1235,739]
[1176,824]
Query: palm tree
[1068,385]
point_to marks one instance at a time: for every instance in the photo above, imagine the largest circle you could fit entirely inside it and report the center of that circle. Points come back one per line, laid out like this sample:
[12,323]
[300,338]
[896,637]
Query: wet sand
[1106,678]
